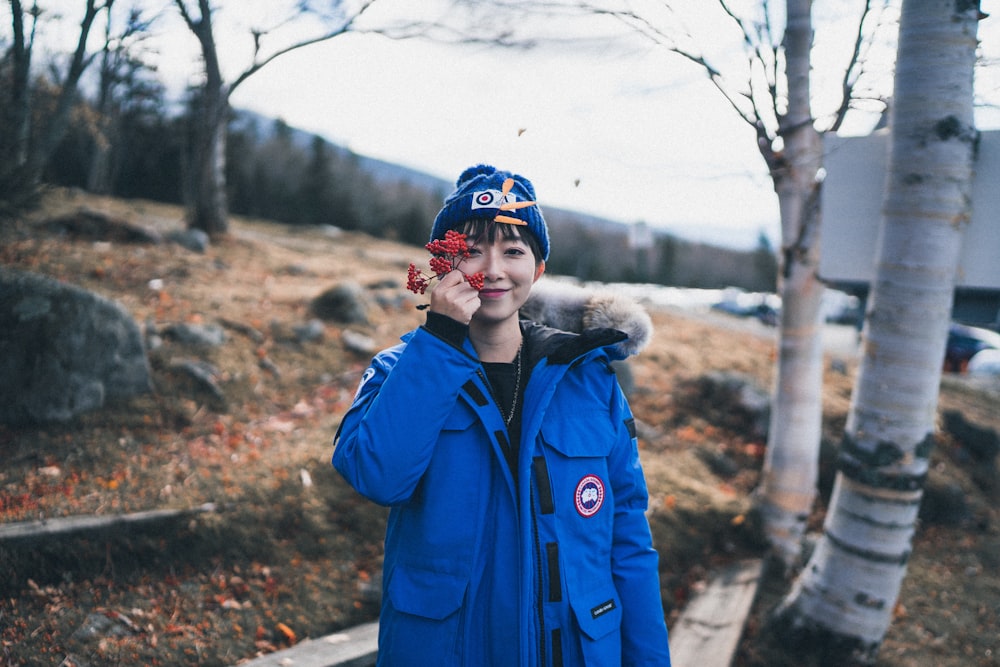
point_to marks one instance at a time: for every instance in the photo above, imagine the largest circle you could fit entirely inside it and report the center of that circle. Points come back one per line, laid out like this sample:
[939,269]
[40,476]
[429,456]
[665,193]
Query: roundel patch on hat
[589,495]
[491,199]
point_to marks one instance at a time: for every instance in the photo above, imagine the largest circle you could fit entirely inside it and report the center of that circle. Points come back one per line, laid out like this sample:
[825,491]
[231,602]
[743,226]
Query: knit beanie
[479,195]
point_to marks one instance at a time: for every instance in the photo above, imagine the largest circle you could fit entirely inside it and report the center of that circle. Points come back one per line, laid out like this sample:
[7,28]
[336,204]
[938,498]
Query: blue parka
[552,567]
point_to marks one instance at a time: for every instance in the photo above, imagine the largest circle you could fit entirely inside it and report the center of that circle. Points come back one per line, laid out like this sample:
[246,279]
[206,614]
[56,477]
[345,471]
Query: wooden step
[708,631]
[355,647]
[44,528]
[706,635]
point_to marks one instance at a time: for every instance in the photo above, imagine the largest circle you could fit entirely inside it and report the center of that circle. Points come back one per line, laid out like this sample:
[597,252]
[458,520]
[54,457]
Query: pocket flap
[434,595]
[580,435]
[597,612]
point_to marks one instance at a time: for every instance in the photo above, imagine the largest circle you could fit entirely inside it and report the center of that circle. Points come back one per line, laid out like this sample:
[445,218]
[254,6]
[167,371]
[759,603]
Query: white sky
[613,125]
[629,134]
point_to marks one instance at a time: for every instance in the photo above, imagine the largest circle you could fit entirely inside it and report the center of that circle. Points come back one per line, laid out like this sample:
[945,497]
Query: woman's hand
[454,297]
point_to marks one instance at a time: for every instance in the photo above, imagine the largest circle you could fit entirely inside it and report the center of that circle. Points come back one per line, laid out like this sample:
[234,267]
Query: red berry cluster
[447,253]
[476,280]
[416,282]
[454,244]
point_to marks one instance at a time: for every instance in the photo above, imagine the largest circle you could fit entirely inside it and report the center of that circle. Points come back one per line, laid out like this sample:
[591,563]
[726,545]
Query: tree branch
[855,68]
[653,33]
[256,65]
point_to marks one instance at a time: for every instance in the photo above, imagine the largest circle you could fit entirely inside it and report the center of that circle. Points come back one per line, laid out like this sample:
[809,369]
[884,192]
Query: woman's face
[509,268]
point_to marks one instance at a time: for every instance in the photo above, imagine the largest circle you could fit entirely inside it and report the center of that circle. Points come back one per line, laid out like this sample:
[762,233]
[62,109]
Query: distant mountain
[590,247]
[380,170]
[389,172]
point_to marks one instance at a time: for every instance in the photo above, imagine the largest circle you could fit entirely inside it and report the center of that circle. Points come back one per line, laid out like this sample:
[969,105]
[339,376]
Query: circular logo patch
[485,198]
[589,495]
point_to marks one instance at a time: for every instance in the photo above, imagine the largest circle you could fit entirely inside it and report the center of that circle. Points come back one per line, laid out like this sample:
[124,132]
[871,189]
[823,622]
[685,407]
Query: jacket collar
[561,347]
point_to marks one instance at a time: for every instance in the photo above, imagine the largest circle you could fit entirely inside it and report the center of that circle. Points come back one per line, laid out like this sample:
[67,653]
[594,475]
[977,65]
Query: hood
[576,309]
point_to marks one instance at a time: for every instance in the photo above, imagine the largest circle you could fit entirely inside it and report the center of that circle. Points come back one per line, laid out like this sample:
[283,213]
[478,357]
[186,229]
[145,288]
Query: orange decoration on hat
[510,206]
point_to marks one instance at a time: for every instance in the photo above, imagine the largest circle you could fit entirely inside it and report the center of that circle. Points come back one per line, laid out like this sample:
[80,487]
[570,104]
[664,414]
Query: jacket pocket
[598,616]
[433,595]
[580,483]
[584,434]
[423,618]
[598,612]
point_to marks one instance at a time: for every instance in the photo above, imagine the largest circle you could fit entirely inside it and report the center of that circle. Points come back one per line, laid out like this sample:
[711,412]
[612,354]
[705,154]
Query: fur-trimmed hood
[575,309]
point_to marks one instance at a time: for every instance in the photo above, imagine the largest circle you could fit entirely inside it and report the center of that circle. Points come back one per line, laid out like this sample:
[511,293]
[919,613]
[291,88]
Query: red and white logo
[491,199]
[589,495]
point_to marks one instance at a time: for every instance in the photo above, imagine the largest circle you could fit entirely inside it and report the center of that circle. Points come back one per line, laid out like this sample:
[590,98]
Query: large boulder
[64,350]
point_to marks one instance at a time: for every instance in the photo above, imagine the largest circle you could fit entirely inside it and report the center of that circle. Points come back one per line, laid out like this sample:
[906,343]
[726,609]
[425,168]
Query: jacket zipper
[540,586]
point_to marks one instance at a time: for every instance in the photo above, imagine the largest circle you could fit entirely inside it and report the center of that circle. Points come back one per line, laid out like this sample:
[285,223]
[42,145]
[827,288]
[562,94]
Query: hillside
[292,552]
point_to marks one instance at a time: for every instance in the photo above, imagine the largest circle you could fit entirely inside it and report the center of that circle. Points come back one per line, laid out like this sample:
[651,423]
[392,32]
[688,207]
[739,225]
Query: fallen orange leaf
[288,633]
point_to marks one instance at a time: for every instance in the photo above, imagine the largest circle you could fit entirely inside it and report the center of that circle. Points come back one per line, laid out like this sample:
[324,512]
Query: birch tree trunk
[787,491]
[843,601]
[775,102]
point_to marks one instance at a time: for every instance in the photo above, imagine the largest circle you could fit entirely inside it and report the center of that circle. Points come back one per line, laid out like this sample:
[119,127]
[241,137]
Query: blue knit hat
[480,195]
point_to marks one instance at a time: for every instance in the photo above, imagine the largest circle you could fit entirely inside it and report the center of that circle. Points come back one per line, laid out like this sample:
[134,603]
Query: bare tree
[24,149]
[17,79]
[123,81]
[206,191]
[842,603]
[772,94]
[322,21]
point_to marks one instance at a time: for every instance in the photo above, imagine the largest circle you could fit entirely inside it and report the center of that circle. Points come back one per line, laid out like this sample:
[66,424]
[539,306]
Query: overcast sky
[632,134]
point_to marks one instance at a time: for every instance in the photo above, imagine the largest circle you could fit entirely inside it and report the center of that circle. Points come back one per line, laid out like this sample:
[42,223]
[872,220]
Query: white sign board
[852,211]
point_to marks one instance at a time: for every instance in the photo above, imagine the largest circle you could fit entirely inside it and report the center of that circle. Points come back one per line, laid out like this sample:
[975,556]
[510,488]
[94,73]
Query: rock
[358,343]
[944,504]
[718,462]
[64,350]
[99,226]
[733,400]
[204,335]
[309,332]
[204,374]
[344,303]
[194,240]
[979,449]
[99,625]
[245,329]
[982,444]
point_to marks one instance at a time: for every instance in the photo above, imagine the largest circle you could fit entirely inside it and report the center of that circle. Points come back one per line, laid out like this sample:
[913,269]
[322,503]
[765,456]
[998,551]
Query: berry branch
[448,253]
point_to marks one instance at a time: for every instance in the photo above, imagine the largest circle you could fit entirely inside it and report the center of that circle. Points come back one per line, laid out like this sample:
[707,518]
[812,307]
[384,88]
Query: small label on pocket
[602,609]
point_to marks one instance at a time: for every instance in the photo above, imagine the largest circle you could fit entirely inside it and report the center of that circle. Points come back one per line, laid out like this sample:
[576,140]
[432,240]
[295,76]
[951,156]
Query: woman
[507,453]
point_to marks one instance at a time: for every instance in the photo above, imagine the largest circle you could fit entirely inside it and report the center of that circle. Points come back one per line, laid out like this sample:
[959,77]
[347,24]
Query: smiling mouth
[492,292]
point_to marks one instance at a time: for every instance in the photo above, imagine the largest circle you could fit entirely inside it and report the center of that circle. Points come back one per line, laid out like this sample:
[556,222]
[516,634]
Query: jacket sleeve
[387,437]
[634,562]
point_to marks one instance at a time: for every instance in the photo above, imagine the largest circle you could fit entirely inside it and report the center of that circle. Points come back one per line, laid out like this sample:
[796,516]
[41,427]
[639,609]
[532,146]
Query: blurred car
[763,306]
[965,342]
[985,362]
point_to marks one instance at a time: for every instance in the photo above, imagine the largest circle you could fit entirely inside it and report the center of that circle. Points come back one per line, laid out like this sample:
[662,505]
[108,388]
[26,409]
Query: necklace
[517,386]
[509,415]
